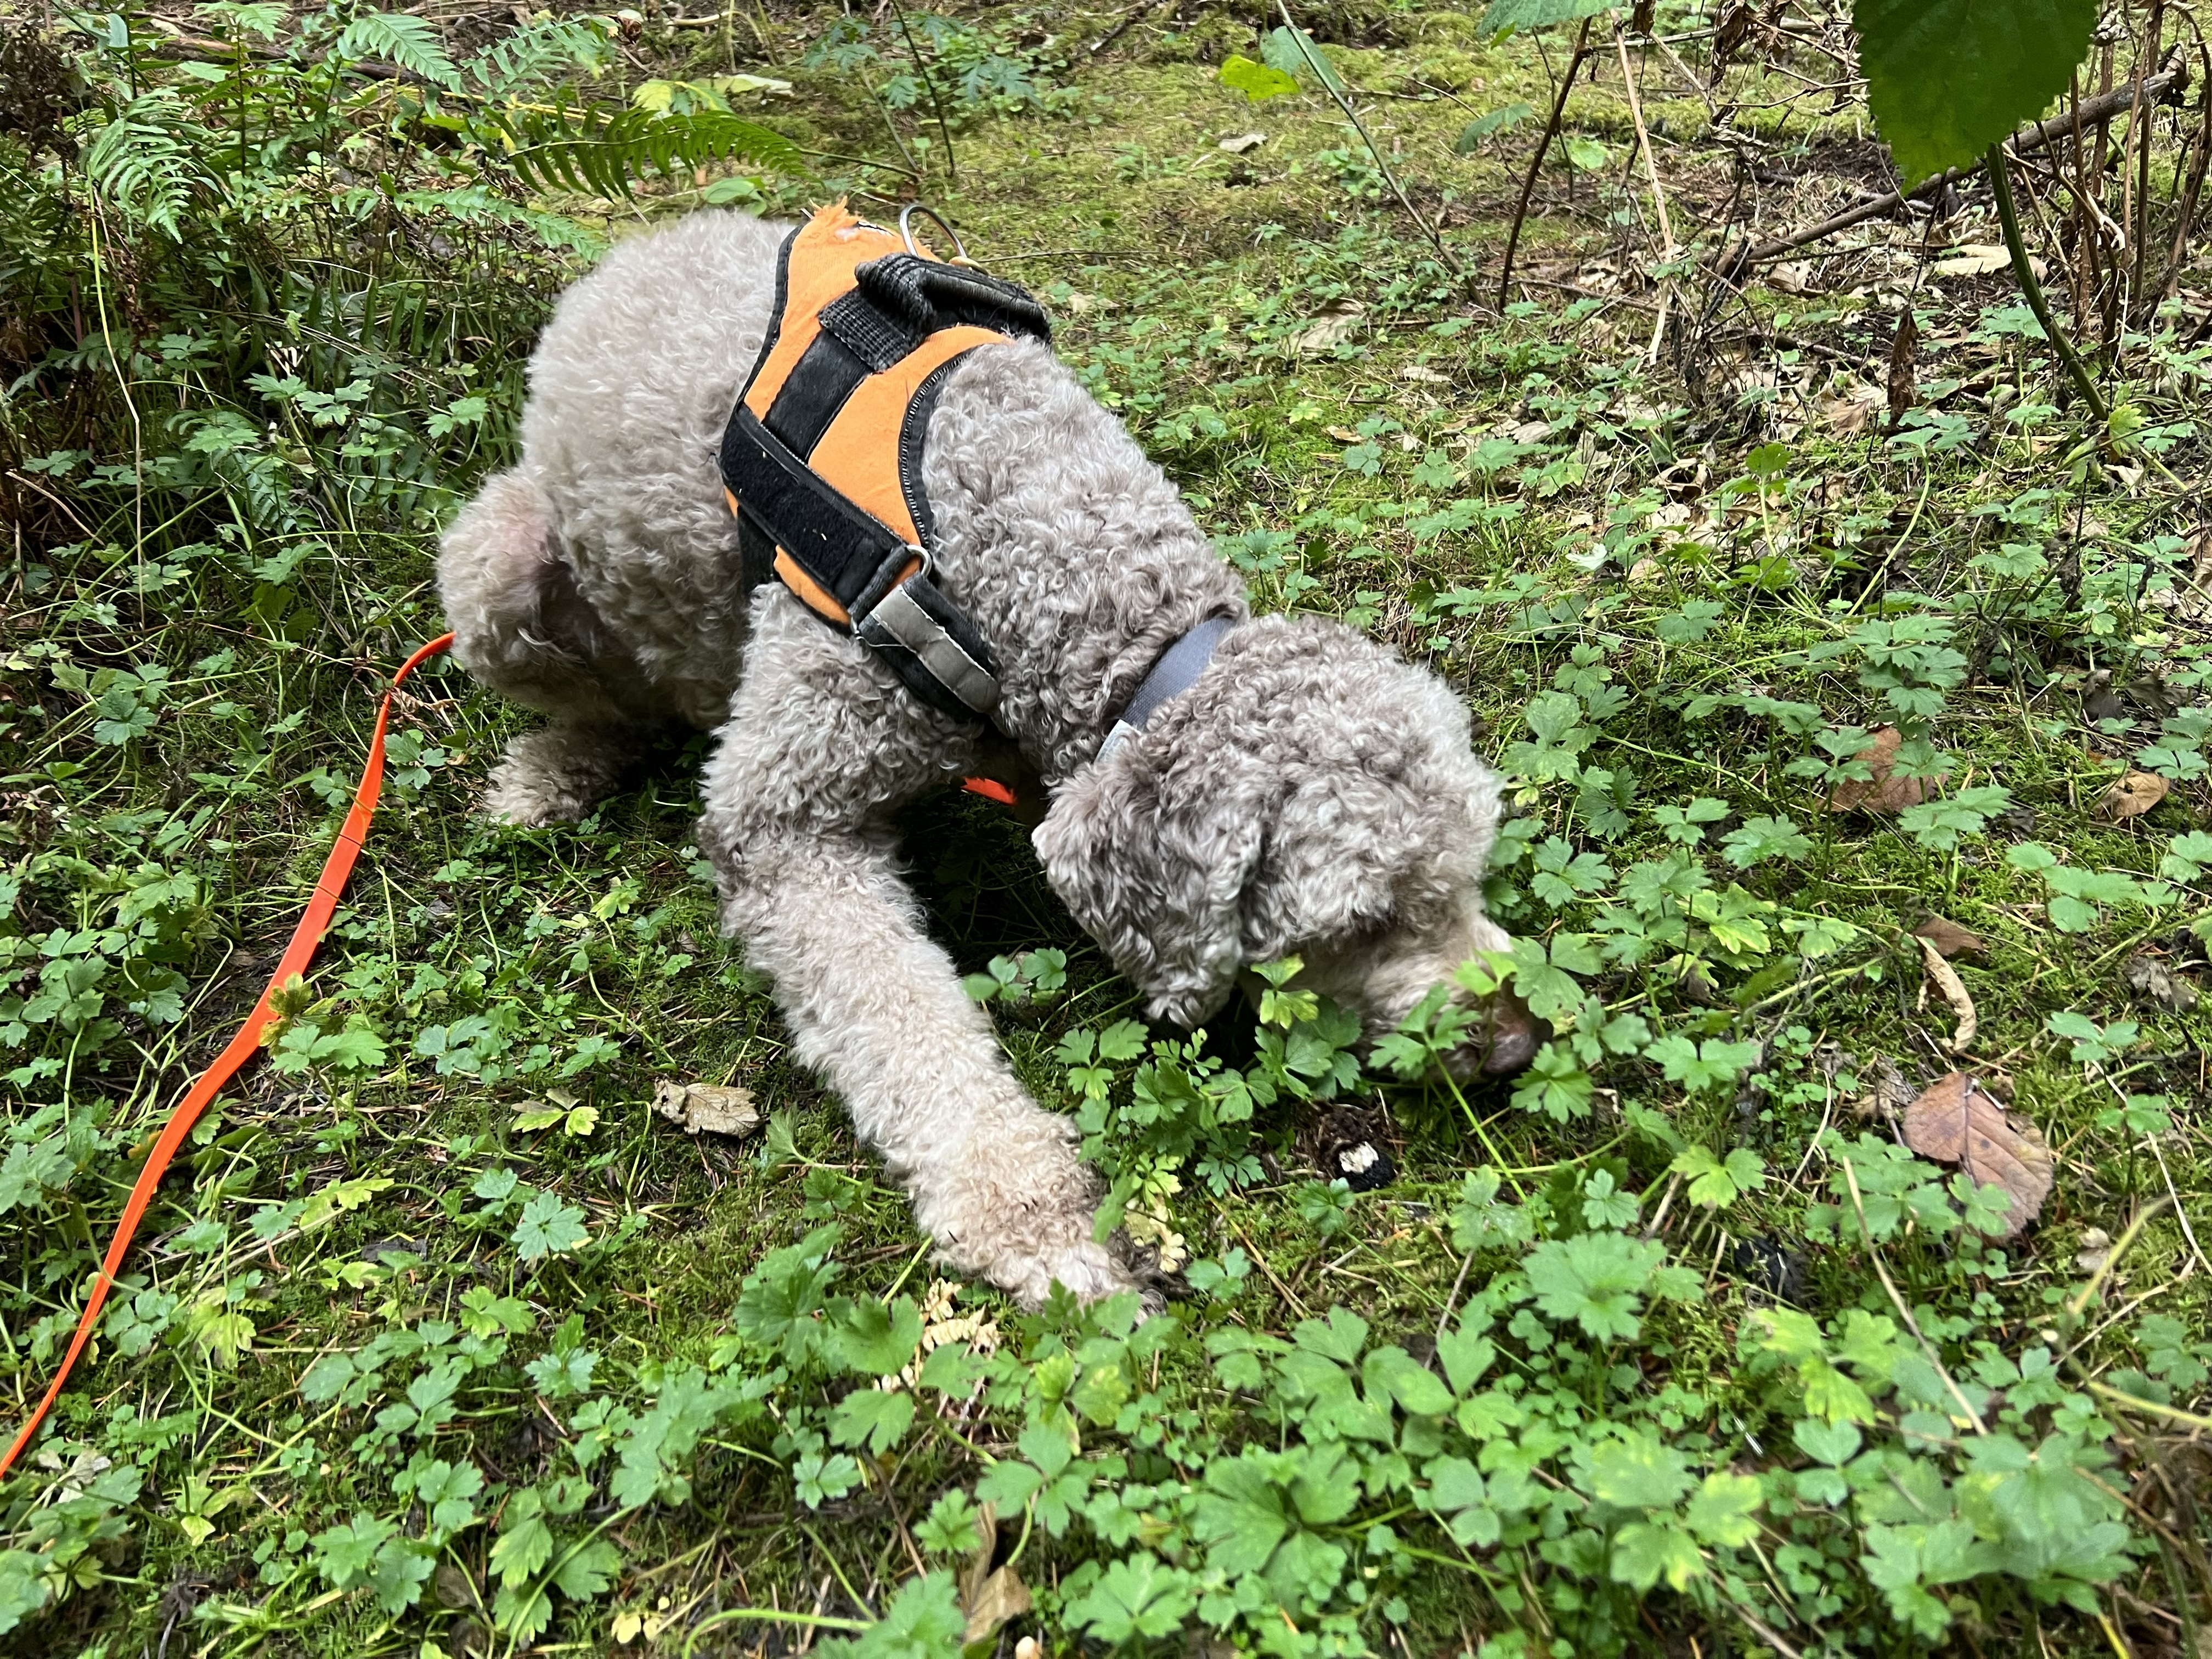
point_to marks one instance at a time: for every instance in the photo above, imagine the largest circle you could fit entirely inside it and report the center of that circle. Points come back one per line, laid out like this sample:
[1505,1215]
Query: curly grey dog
[1310,794]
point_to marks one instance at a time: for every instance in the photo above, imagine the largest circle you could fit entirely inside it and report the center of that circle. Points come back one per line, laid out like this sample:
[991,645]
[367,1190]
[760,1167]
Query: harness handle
[906,233]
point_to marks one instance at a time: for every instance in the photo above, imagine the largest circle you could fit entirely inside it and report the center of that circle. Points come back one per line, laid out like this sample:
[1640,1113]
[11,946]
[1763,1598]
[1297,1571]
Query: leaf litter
[718,1108]
[1956,1121]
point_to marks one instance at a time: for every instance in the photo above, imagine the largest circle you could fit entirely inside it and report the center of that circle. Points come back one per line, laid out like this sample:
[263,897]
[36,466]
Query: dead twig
[1536,161]
[1331,84]
[1644,144]
[2174,76]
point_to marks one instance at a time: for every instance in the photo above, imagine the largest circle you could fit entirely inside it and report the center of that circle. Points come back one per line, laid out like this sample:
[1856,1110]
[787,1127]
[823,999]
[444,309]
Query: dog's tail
[521,623]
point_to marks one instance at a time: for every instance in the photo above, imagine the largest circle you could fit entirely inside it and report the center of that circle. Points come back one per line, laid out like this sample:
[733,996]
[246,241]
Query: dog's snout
[1514,1035]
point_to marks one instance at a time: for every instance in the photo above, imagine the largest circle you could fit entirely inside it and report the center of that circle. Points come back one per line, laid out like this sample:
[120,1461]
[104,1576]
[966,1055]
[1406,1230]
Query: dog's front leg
[810,882]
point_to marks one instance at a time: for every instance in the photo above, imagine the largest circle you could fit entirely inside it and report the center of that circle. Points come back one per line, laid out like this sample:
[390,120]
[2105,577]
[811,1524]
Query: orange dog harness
[822,459]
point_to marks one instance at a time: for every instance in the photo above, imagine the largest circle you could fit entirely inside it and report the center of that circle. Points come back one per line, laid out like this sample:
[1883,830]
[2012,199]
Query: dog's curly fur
[1311,793]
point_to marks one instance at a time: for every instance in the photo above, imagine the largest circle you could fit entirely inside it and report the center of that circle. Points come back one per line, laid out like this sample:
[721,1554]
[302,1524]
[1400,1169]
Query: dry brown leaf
[2154,982]
[1846,415]
[706,1107]
[1884,791]
[1888,1092]
[1945,978]
[999,1598]
[1328,330]
[1979,259]
[2134,795]
[1949,938]
[1956,1121]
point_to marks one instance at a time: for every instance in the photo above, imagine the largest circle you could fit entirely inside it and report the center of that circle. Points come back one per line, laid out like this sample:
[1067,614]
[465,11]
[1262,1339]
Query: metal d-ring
[959,248]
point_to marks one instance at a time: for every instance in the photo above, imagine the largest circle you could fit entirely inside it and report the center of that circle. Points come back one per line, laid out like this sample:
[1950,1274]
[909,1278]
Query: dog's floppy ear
[1155,862]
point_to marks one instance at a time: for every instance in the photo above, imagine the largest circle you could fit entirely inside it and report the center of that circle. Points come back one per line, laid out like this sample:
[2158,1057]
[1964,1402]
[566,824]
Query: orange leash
[297,955]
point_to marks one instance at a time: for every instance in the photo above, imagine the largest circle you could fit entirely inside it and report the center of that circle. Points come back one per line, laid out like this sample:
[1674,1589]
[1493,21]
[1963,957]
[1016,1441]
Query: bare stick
[936,102]
[2174,76]
[2188,198]
[1644,144]
[1536,161]
[2140,136]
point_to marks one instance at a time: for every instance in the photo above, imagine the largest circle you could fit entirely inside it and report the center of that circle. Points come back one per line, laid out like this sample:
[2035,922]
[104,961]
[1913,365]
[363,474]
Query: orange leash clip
[306,937]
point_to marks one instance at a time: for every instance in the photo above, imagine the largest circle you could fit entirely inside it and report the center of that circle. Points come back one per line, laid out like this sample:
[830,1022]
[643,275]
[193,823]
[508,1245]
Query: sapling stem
[1327,78]
[2024,273]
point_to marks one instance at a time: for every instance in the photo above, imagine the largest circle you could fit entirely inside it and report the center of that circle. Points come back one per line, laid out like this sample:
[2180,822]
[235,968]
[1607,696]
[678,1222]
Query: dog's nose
[1514,1035]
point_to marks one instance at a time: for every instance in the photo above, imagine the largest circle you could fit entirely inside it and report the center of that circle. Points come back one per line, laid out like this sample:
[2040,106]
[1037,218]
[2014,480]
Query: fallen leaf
[1974,260]
[2134,795]
[2096,1249]
[1645,570]
[2154,982]
[1242,142]
[1328,330]
[1422,374]
[1888,1092]
[999,1598]
[1945,978]
[706,1107]
[1791,277]
[1847,414]
[1949,938]
[1956,1121]
[1883,792]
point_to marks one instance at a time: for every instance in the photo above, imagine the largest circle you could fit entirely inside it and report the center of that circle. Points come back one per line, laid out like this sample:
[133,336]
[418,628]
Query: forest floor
[448,1344]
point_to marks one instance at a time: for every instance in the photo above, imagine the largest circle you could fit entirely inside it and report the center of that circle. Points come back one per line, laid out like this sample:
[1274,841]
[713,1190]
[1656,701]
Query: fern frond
[473,204]
[146,162]
[603,151]
[530,57]
[409,42]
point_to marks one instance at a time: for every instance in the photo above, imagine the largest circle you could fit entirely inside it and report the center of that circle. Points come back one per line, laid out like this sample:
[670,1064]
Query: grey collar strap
[1174,673]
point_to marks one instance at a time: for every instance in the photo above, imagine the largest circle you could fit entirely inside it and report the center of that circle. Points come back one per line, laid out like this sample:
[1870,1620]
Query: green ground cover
[442,1342]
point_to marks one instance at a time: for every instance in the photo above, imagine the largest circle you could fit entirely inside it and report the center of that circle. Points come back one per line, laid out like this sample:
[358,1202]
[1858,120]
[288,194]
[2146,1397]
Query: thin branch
[1644,144]
[2173,77]
[1536,161]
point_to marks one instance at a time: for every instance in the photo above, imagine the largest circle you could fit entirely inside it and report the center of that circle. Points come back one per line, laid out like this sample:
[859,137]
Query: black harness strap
[898,302]
[841,548]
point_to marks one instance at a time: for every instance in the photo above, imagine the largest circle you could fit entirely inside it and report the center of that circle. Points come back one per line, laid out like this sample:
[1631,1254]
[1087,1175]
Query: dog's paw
[556,774]
[1092,1272]
[532,802]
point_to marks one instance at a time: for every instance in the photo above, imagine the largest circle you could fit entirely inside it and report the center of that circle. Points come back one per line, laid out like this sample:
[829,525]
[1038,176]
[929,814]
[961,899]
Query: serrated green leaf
[1946,79]
[876,1418]
[1525,14]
